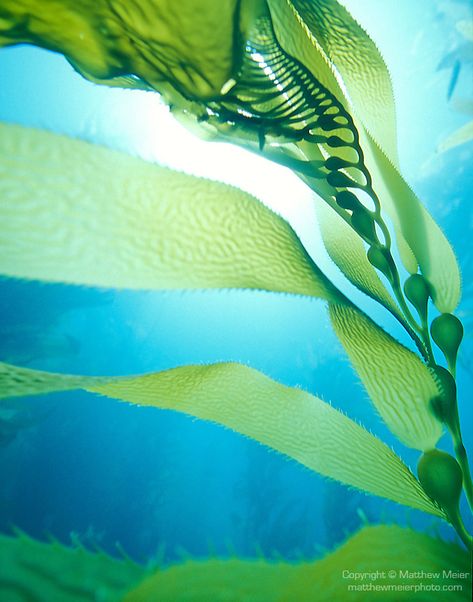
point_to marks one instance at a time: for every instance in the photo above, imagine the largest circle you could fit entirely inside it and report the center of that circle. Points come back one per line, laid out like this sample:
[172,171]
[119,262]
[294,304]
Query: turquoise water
[77,467]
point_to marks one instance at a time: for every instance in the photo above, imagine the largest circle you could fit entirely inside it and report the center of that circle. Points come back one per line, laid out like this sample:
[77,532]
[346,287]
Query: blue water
[78,467]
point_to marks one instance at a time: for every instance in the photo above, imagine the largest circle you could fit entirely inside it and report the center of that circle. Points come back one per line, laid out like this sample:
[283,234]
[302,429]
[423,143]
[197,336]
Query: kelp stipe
[271,85]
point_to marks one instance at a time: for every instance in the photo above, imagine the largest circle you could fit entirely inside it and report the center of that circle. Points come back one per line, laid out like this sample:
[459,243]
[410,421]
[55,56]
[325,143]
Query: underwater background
[151,482]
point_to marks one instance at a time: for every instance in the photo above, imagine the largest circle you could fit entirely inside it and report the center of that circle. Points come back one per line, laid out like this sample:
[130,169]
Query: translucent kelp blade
[77,213]
[348,252]
[286,419]
[44,572]
[399,384]
[190,43]
[463,135]
[358,61]
[373,551]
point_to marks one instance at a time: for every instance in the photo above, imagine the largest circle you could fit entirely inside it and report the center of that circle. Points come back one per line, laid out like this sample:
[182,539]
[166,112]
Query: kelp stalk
[445,407]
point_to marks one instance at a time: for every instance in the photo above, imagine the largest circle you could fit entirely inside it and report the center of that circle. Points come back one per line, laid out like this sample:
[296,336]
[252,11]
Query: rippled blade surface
[399,384]
[81,214]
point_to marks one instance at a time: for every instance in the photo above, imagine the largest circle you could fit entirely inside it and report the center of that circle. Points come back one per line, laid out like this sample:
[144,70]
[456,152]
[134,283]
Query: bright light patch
[148,129]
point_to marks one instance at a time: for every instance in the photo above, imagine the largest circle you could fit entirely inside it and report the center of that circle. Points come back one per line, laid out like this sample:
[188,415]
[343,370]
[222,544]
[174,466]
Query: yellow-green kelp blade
[385,554]
[399,384]
[78,213]
[286,419]
[338,43]
[37,571]
[463,135]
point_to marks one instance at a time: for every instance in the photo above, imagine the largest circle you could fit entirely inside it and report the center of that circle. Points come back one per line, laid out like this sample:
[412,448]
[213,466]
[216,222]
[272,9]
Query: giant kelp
[302,84]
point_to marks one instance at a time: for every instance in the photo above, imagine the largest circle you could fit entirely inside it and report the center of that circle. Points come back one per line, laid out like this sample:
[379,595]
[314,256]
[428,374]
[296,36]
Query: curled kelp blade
[286,419]
[372,552]
[81,214]
[40,571]
[397,381]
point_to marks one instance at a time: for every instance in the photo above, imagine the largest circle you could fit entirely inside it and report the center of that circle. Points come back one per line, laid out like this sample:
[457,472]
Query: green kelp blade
[337,577]
[398,382]
[37,571]
[347,251]
[217,580]
[78,213]
[286,419]
[389,557]
[47,572]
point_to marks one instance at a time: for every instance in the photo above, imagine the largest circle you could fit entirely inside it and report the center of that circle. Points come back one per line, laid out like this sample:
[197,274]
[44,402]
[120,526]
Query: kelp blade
[373,551]
[78,213]
[37,571]
[355,56]
[286,419]
[45,572]
[424,237]
[399,384]
[463,135]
